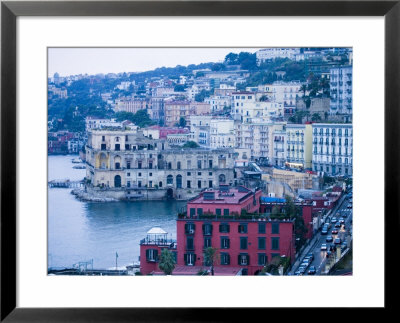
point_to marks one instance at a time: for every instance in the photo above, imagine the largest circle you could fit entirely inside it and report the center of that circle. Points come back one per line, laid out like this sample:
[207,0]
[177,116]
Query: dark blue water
[81,231]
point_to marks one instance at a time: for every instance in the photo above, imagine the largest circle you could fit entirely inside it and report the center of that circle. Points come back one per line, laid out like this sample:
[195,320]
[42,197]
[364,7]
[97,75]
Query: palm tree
[211,257]
[304,89]
[167,262]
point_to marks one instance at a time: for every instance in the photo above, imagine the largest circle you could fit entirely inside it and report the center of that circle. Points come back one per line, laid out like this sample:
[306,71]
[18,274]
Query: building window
[170,180]
[178,165]
[192,212]
[210,164]
[210,184]
[261,243]
[140,165]
[128,165]
[243,242]
[275,228]
[199,164]
[189,174]
[224,227]
[199,184]
[190,228]
[207,242]
[218,211]
[226,212]
[225,243]
[225,258]
[242,228]
[151,255]
[190,259]
[275,243]
[189,243]
[117,146]
[159,184]
[179,181]
[150,165]
[188,184]
[169,165]
[207,229]
[243,259]
[103,147]
[199,211]
[262,259]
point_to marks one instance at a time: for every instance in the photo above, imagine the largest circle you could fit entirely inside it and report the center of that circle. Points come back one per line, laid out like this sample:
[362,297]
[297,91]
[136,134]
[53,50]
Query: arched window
[221,179]
[170,180]
[179,181]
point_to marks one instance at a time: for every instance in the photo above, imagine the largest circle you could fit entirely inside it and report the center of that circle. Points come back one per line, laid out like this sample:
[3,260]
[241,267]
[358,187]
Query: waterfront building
[126,164]
[303,208]
[299,145]
[332,148]
[341,88]
[229,220]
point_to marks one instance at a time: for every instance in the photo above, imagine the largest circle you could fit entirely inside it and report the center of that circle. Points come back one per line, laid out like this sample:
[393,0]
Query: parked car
[337,241]
[329,239]
[338,225]
[324,230]
[312,270]
[334,231]
[324,247]
[341,220]
[302,269]
[334,220]
[310,256]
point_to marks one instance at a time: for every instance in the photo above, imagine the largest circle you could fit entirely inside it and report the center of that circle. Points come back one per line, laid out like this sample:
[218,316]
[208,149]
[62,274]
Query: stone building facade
[128,165]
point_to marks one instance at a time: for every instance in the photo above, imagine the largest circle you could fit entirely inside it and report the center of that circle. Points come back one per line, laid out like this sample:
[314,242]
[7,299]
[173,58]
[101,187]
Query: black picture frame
[10,10]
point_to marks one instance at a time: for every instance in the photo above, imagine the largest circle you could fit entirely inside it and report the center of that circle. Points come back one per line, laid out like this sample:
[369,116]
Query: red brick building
[228,220]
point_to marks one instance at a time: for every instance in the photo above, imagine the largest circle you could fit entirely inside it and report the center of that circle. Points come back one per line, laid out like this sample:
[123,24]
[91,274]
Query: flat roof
[232,196]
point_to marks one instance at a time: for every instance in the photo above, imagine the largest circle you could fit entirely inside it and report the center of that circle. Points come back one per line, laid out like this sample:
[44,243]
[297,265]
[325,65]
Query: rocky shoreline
[80,194]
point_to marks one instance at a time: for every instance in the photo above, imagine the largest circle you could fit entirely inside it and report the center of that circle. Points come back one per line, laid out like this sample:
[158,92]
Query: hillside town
[258,147]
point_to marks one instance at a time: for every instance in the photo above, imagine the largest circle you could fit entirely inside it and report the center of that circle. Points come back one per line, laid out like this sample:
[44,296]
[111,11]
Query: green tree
[316,117]
[190,144]
[167,262]
[179,88]
[182,122]
[211,257]
[231,59]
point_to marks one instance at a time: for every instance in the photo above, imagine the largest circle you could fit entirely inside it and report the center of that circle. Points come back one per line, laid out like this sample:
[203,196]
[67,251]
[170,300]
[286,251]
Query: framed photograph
[147,144]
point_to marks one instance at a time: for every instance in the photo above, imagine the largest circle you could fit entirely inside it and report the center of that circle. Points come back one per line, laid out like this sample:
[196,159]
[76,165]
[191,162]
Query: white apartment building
[279,149]
[245,106]
[200,129]
[283,92]
[222,133]
[333,148]
[341,80]
[271,53]
[299,145]
[256,137]
[218,103]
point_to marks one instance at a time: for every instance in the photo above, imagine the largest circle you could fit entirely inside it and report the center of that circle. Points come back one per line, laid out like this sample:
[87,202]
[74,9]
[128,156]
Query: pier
[65,183]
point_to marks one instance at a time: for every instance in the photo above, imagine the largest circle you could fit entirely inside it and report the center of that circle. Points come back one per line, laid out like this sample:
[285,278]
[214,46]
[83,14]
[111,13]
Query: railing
[159,242]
